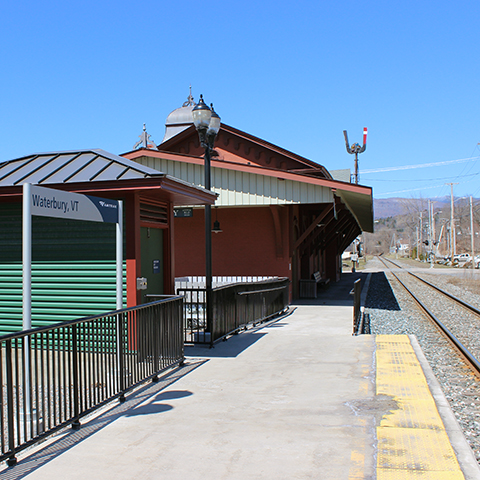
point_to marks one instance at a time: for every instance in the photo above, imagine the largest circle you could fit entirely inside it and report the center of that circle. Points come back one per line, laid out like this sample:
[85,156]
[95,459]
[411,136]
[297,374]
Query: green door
[152,260]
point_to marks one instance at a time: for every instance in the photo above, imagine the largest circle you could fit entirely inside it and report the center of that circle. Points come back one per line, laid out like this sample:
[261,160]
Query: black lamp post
[207,123]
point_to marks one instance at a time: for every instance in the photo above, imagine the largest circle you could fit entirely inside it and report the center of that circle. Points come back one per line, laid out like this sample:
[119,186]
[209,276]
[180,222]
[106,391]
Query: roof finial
[145,140]
[189,102]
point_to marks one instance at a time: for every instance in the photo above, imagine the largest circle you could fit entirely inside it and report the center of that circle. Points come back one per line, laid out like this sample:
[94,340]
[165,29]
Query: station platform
[297,398]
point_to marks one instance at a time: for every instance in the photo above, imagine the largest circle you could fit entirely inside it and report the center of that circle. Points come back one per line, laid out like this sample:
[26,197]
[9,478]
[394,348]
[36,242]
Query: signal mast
[356,149]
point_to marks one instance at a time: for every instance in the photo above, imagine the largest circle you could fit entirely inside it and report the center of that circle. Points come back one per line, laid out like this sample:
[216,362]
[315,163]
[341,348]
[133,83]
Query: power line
[421,188]
[419,179]
[423,165]
[409,190]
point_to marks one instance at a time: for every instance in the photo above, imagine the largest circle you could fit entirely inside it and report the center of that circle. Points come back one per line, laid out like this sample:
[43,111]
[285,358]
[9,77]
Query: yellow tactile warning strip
[412,441]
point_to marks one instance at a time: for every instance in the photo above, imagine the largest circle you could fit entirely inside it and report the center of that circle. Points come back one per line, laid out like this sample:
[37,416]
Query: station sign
[183,212]
[47,202]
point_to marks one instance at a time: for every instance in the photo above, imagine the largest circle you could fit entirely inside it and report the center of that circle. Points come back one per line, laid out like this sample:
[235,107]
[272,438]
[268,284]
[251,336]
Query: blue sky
[88,75]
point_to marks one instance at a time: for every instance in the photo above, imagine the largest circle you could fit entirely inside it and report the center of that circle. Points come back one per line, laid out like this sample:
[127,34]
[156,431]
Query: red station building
[280,214]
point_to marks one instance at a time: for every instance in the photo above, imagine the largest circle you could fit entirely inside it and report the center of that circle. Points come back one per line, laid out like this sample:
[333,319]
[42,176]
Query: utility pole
[434,230]
[418,243]
[448,238]
[452,224]
[421,230]
[437,247]
[429,222]
[430,231]
[472,234]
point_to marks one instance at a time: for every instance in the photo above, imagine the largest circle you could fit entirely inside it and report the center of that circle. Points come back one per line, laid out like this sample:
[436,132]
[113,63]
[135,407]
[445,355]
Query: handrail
[234,309]
[357,314]
[23,333]
[261,291]
[234,306]
[56,375]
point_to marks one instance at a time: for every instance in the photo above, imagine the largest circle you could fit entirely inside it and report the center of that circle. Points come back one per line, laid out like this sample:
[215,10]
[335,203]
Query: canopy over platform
[98,171]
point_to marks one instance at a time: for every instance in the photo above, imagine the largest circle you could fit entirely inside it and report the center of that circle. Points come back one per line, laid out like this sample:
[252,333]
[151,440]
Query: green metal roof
[72,167]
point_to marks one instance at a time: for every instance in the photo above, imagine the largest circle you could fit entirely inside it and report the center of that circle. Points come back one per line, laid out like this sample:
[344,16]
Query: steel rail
[472,361]
[453,297]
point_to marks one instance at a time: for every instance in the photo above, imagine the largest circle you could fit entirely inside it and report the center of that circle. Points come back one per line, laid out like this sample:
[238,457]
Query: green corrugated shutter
[61,291]
[73,269]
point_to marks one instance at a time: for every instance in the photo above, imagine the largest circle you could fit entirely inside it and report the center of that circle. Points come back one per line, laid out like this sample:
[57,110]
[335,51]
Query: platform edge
[462,449]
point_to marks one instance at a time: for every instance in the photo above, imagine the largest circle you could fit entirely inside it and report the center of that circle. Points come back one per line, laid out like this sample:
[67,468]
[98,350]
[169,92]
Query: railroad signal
[355,149]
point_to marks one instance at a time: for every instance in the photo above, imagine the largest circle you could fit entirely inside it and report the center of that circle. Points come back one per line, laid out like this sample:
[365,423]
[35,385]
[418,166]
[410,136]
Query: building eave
[269,172]
[358,198]
[168,188]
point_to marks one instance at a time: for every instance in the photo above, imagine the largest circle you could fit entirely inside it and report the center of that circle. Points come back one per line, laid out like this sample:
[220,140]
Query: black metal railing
[194,315]
[357,312]
[234,306]
[51,377]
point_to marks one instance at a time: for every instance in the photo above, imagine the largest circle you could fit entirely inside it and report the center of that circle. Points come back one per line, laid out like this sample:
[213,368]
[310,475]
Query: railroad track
[446,319]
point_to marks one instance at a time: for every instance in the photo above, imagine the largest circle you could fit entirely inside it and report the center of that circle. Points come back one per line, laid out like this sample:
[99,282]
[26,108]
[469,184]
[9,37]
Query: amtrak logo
[107,205]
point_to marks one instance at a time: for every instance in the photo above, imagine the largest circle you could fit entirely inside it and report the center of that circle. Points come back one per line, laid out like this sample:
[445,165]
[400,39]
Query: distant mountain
[404,220]
[388,207]
[391,207]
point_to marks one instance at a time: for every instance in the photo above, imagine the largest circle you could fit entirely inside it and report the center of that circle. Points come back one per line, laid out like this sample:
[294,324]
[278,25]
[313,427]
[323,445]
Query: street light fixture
[207,123]
[216,224]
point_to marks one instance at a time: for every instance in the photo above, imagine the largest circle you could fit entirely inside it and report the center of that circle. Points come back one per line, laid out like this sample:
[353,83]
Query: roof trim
[269,172]
[276,148]
[251,138]
[182,193]
[358,198]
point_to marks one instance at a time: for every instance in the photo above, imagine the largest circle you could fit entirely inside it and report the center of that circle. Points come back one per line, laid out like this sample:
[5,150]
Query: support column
[331,264]
[133,247]
[169,254]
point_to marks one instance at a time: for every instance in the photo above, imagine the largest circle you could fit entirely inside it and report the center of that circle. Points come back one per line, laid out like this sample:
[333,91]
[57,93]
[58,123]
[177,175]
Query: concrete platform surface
[294,399]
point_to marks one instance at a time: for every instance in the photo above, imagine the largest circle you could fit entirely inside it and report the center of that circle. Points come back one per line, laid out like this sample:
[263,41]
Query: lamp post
[207,123]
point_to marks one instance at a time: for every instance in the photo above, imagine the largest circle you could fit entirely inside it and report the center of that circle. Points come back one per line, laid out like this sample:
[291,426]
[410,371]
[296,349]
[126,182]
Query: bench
[308,288]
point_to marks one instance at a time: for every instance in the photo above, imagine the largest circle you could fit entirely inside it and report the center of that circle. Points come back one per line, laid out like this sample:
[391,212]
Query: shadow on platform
[336,293]
[234,345]
[58,444]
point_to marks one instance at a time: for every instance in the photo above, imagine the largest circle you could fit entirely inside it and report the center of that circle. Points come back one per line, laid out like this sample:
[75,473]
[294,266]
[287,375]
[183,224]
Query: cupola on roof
[180,119]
